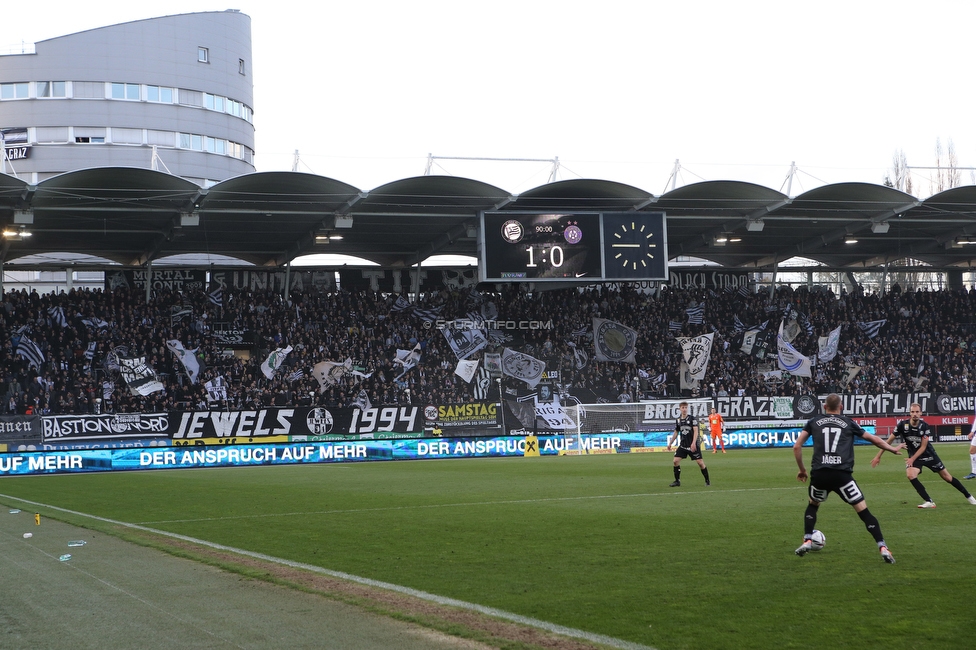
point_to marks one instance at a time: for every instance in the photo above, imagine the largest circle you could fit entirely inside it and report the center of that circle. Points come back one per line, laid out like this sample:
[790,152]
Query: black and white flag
[57,315]
[675,326]
[187,358]
[216,297]
[216,389]
[179,313]
[743,291]
[580,357]
[614,342]
[30,351]
[428,315]
[696,353]
[139,376]
[94,323]
[408,359]
[482,384]
[362,401]
[90,351]
[400,304]
[296,375]
[522,366]
[696,314]
[738,325]
[871,328]
[828,345]
[108,387]
[464,342]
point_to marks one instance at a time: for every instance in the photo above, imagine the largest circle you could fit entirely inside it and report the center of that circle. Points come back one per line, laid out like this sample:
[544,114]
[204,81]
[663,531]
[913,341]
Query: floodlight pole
[287,280]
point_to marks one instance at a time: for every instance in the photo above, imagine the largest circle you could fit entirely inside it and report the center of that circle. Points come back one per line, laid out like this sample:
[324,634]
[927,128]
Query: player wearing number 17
[832,470]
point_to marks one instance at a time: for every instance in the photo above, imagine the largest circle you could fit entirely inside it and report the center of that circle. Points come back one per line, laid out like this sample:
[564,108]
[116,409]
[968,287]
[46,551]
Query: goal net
[657,415]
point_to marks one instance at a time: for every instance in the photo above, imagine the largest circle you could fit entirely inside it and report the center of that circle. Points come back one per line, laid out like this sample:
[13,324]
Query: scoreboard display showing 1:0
[539,247]
[554,246]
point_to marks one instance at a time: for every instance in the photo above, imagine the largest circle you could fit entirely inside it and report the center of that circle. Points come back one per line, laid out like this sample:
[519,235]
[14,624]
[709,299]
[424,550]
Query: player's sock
[677,473]
[921,489]
[809,520]
[871,523]
[972,461]
[956,484]
[704,471]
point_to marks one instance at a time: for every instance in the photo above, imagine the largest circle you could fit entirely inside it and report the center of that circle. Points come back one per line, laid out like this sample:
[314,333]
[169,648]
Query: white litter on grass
[28,535]
[14,511]
[65,557]
[77,542]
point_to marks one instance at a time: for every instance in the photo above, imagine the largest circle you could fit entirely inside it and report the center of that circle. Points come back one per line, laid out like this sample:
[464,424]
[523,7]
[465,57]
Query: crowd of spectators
[925,344]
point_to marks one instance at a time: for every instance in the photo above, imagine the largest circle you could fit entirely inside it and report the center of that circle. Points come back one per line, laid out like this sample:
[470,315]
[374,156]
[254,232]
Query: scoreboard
[585,246]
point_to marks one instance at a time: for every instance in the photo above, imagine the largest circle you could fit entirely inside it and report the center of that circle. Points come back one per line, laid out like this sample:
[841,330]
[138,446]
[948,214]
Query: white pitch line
[460,505]
[440,600]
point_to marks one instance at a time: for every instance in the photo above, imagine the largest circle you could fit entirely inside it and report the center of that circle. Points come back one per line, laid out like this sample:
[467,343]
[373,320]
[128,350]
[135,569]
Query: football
[818,539]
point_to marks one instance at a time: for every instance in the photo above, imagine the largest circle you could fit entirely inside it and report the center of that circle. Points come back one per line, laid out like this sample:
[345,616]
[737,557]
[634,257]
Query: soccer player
[686,438]
[832,470]
[716,424]
[915,432]
[972,450]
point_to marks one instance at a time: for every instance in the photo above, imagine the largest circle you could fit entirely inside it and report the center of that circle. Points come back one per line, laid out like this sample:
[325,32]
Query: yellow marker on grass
[37,519]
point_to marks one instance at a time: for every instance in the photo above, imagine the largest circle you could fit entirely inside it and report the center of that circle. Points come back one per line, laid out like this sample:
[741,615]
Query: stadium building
[173,93]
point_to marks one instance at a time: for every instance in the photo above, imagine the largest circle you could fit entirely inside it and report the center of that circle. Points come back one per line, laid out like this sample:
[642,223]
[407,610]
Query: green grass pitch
[598,543]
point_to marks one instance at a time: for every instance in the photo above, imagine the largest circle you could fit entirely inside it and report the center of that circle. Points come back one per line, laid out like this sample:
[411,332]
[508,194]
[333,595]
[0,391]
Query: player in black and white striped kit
[686,437]
[832,470]
[921,453]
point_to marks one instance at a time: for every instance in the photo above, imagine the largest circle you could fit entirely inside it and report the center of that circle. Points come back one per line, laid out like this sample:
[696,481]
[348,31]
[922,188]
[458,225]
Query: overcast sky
[617,90]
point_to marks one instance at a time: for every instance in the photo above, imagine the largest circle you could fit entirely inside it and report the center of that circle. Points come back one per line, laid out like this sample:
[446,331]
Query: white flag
[466,369]
[522,366]
[828,345]
[789,359]
[329,373]
[274,361]
[187,357]
[696,352]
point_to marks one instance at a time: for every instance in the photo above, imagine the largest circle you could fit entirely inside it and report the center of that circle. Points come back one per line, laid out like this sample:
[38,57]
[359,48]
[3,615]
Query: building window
[51,89]
[89,139]
[240,66]
[159,94]
[14,91]
[125,91]
[203,55]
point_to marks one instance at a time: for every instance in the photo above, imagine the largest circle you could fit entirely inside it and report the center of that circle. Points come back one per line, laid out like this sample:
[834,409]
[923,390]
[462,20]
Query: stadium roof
[133,216]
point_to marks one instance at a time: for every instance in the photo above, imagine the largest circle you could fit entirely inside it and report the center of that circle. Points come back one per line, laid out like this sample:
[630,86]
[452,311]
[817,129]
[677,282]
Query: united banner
[613,341]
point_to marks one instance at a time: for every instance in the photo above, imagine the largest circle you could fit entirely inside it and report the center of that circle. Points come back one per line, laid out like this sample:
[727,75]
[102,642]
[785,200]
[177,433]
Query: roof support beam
[822,241]
[728,226]
[440,242]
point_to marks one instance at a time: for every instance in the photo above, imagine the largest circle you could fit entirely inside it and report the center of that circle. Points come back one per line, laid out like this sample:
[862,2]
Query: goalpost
[634,417]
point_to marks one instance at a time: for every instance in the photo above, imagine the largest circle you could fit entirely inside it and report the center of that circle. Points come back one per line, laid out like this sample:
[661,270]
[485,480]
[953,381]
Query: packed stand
[925,343]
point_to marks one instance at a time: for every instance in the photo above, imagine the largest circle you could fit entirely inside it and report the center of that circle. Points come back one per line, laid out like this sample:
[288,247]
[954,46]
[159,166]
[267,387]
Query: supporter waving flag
[274,361]
[871,328]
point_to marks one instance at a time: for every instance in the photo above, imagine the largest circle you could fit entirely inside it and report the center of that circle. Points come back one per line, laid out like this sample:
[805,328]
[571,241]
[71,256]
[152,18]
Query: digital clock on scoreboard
[559,246]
